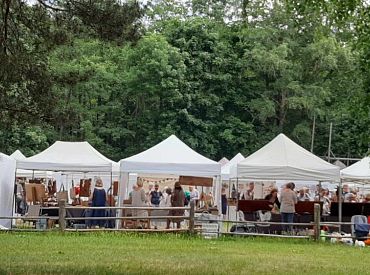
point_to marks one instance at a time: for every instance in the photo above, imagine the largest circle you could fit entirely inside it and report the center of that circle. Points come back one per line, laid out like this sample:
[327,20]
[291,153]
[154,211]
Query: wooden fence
[63,219]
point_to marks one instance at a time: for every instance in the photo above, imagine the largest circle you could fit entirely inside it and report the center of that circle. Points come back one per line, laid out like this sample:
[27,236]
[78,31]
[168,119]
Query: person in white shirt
[194,193]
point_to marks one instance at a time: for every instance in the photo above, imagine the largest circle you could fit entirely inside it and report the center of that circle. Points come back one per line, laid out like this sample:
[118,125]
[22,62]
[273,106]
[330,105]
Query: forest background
[225,76]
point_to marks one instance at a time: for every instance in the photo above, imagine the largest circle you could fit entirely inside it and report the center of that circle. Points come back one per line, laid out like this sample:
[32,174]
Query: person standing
[177,200]
[155,196]
[288,200]
[194,195]
[138,199]
[249,194]
[223,202]
[273,199]
[303,195]
[98,199]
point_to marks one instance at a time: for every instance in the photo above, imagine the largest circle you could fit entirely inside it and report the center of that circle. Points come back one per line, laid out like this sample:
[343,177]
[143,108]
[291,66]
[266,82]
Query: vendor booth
[358,174]
[77,164]
[283,159]
[7,174]
[169,158]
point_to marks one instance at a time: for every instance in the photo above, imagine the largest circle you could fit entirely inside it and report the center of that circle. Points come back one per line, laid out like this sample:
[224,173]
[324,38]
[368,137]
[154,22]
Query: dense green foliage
[117,253]
[225,76]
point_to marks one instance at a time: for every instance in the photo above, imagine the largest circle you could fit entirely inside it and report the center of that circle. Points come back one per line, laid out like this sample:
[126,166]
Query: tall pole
[329,149]
[313,132]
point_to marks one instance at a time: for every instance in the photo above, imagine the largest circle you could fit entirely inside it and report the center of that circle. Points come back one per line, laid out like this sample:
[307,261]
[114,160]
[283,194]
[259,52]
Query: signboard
[196,181]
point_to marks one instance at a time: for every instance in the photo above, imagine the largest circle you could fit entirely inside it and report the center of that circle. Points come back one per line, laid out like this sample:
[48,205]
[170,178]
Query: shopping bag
[40,193]
[30,194]
[72,191]
[62,194]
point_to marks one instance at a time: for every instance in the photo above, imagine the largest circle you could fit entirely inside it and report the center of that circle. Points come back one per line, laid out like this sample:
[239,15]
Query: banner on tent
[196,181]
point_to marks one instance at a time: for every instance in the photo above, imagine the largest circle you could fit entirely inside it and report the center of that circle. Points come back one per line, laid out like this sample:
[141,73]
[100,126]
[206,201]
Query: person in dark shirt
[155,196]
[272,198]
[98,199]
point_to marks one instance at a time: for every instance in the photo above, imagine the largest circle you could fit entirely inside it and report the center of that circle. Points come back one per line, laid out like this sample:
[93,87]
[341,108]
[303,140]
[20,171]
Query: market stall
[283,159]
[171,157]
[66,157]
[7,174]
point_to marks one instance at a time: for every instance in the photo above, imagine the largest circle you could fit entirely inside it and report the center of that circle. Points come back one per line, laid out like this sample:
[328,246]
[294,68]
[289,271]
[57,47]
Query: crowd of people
[168,197]
[349,195]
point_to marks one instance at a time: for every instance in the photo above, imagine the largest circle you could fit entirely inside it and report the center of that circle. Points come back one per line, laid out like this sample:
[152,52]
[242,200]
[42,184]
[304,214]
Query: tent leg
[14,204]
[340,204]
[237,199]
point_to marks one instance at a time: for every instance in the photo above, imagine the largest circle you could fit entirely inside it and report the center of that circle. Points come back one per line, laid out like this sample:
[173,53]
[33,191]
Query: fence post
[191,217]
[317,218]
[62,215]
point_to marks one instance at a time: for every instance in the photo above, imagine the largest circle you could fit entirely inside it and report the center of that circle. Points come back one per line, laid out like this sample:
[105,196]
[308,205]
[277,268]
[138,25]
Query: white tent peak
[18,155]
[226,169]
[223,161]
[171,156]
[283,159]
[358,171]
[68,156]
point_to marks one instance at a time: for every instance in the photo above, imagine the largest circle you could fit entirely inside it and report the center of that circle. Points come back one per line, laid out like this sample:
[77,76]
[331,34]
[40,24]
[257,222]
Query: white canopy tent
[226,169]
[283,159]
[68,156]
[18,155]
[223,161]
[7,175]
[358,172]
[170,157]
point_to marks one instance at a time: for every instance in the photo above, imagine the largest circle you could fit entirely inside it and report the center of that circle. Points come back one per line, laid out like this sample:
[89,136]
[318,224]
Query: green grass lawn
[116,253]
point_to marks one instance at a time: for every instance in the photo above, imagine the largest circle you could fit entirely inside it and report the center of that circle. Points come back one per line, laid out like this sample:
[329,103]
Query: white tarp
[173,157]
[226,169]
[68,156]
[282,159]
[359,171]
[7,175]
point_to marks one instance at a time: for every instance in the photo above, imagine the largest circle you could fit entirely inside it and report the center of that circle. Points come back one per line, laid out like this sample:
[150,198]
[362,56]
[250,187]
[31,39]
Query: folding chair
[33,211]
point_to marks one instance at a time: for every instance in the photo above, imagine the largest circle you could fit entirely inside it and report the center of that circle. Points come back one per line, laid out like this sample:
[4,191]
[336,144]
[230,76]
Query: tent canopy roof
[226,169]
[223,161]
[283,159]
[359,171]
[171,156]
[18,155]
[68,156]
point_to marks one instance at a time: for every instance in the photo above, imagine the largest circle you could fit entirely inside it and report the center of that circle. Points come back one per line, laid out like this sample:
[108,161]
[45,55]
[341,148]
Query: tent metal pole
[340,204]
[329,147]
[313,132]
[14,206]
[237,198]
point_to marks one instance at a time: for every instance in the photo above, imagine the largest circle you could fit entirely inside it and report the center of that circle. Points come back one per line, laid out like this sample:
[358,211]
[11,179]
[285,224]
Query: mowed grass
[116,253]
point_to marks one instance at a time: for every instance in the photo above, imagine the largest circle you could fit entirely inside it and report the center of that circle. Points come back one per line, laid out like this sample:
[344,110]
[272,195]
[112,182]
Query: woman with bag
[98,199]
